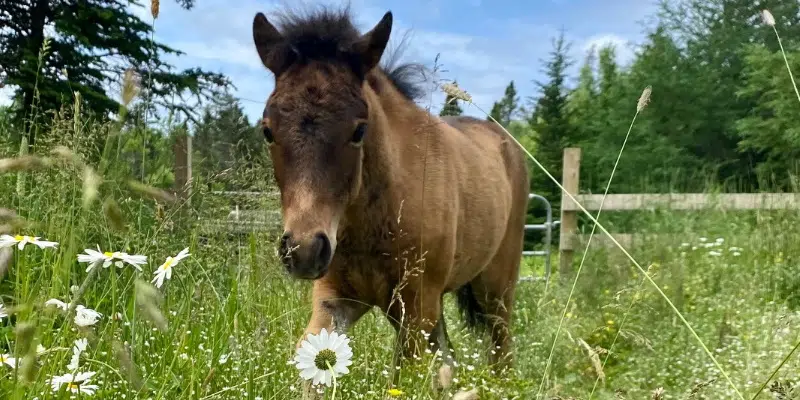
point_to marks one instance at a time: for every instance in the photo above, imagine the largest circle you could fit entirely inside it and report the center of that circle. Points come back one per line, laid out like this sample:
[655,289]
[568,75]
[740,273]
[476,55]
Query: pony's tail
[471,309]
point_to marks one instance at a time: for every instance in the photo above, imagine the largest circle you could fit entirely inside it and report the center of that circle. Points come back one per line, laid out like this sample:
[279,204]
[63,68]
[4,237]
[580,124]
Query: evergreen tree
[225,140]
[94,42]
[550,119]
[506,109]
[451,106]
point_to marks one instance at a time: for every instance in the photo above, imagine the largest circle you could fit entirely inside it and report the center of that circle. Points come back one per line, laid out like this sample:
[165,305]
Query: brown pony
[383,203]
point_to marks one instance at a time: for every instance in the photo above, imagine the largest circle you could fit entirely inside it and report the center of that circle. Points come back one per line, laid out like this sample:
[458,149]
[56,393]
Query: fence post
[569,219]
[183,166]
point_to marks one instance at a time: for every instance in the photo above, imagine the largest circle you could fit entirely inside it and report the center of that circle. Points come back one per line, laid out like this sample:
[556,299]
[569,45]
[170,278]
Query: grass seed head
[24,163]
[152,192]
[767,18]
[452,89]
[130,86]
[149,299]
[113,214]
[91,183]
[644,99]
[155,7]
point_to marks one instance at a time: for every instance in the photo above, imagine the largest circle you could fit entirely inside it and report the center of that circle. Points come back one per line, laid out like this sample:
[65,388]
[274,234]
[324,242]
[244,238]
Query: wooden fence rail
[569,237]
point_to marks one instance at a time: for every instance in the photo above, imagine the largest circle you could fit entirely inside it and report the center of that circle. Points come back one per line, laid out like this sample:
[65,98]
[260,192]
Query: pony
[384,204]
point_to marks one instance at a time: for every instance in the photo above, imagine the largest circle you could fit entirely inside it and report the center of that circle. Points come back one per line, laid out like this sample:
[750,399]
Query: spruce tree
[95,42]
[505,110]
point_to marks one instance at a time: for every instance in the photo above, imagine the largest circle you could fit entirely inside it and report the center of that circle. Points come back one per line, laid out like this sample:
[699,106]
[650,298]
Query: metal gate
[548,238]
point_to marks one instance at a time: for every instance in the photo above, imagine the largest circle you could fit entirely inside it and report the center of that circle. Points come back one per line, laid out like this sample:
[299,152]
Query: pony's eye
[358,134]
[268,135]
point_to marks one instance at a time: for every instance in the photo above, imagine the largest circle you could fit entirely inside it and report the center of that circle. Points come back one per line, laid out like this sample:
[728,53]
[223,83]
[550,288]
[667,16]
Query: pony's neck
[393,124]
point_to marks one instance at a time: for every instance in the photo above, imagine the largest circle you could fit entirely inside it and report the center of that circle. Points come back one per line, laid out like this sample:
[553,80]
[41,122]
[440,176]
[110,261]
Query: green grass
[233,317]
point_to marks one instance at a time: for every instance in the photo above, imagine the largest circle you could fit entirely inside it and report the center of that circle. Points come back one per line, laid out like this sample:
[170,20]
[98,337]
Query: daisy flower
[86,316]
[78,348]
[21,241]
[76,383]
[3,312]
[57,303]
[323,356]
[118,258]
[8,360]
[165,270]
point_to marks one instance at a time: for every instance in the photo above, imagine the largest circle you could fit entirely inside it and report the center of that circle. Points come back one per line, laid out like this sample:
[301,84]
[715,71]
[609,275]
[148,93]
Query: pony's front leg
[415,316]
[332,312]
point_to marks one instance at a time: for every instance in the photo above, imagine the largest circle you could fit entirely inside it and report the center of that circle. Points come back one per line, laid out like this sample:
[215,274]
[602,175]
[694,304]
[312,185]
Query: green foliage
[550,120]
[771,129]
[225,142]
[507,108]
[94,42]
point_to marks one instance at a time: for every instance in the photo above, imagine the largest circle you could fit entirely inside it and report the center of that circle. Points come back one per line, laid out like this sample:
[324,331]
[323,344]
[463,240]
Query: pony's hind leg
[440,342]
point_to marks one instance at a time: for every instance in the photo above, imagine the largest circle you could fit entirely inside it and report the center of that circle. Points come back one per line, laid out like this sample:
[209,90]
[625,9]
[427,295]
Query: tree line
[723,110]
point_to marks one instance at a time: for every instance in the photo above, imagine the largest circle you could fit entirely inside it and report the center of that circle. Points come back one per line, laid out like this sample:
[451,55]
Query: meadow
[225,325]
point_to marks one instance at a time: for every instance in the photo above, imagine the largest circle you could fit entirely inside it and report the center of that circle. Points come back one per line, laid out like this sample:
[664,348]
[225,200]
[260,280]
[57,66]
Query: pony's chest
[366,277]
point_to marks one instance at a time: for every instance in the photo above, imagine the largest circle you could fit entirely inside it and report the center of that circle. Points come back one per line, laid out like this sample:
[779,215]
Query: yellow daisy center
[19,238]
[74,385]
[324,358]
[168,263]
[108,254]
[3,358]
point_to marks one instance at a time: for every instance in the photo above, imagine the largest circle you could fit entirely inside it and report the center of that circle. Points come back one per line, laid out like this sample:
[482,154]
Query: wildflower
[324,356]
[395,392]
[58,303]
[76,383]
[86,316]
[3,312]
[118,258]
[78,348]
[8,360]
[165,270]
[21,241]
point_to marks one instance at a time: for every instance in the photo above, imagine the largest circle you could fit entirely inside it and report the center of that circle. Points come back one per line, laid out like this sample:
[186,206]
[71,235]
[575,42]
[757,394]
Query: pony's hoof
[445,376]
[309,392]
[470,395]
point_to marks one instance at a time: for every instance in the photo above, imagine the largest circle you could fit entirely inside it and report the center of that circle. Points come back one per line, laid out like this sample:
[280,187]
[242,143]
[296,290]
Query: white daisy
[21,241]
[118,258]
[3,312]
[86,316]
[57,303]
[8,360]
[321,356]
[165,270]
[78,348]
[76,383]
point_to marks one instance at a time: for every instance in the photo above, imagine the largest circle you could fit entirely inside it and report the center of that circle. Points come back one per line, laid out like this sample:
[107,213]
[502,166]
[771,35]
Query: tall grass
[225,325]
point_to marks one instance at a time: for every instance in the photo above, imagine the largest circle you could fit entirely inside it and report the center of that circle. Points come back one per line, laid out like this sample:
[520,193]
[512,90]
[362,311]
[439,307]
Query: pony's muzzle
[306,258]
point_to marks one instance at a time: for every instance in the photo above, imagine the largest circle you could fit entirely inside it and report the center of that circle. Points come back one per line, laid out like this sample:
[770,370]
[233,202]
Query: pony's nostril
[323,247]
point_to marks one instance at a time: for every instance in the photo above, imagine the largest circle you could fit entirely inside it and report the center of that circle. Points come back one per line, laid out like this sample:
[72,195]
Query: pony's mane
[321,34]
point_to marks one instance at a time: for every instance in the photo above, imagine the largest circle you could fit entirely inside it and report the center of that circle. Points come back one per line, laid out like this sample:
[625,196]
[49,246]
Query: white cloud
[623,48]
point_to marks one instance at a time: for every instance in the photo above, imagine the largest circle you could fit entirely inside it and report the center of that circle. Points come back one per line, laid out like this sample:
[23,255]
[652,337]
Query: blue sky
[482,44]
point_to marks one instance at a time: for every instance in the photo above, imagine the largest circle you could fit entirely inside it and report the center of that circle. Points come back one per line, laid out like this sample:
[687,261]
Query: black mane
[322,33]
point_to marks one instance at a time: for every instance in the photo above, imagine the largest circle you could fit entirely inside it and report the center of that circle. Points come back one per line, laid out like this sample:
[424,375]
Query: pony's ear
[371,45]
[268,43]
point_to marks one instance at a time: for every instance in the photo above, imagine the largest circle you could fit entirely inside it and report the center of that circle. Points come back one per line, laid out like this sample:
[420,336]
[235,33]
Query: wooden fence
[569,237]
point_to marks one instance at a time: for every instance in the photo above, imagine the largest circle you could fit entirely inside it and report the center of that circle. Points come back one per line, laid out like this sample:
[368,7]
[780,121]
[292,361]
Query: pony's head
[316,121]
